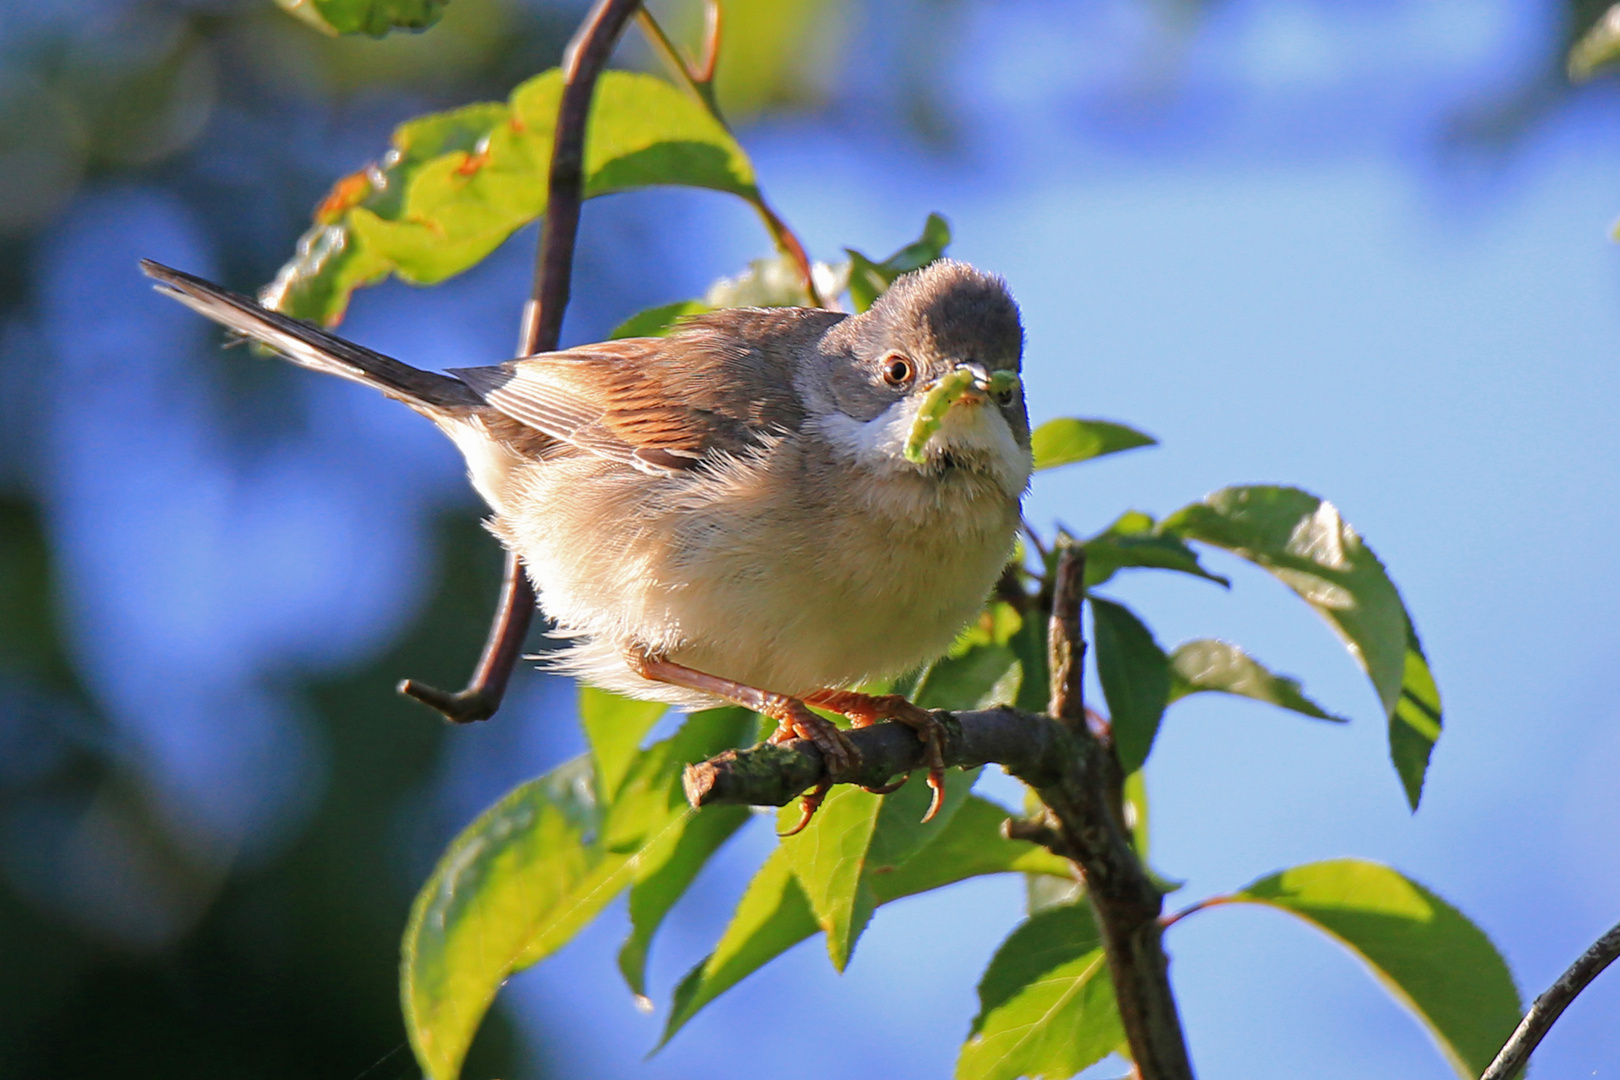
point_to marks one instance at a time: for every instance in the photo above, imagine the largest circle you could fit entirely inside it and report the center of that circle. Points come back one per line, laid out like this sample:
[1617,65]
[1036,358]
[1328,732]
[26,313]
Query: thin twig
[1527,1036]
[1065,644]
[539,331]
[587,55]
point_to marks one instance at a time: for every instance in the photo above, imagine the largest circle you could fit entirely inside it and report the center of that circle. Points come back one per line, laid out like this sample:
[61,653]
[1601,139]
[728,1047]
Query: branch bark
[1071,768]
[539,331]
[1550,1005]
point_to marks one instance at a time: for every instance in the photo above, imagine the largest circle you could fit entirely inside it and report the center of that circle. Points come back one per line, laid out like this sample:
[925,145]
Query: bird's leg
[864,710]
[793,720]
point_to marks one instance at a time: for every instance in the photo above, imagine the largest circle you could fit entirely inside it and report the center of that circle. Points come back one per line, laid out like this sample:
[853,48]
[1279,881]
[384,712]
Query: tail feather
[309,346]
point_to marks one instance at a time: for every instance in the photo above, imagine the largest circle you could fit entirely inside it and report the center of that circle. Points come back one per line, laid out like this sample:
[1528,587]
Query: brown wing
[719,384]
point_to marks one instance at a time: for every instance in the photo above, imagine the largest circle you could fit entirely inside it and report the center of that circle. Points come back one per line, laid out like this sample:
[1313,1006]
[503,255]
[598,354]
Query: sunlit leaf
[1206,665]
[1304,542]
[775,914]
[1133,541]
[1425,952]
[1597,48]
[855,837]
[869,279]
[457,184]
[372,17]
[1066,441]
[1135,677]
[614,727]
[663,874]
[524,878]
[1046,1003]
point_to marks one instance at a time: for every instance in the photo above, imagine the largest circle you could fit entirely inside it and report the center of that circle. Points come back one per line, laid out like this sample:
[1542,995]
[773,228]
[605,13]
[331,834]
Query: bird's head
[928,379]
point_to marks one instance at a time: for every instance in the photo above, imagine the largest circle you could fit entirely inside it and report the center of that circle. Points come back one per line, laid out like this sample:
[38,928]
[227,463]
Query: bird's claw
[867,709]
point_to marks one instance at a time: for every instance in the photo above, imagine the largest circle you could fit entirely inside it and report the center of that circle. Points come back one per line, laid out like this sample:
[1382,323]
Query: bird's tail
[311,347]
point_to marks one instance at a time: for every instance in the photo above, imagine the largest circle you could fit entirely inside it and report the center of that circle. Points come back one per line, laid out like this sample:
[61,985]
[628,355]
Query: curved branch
[539,331]
[1550,1005]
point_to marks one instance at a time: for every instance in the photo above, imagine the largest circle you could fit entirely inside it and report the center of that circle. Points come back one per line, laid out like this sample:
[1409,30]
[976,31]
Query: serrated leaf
[1046,1002]
[1133,542]
[1210,666]
[535,868]
[870,279]
[371,17]
[1066,441]
[614,727]
[1135,677]
[658,321]
[1304,542]
[1597,48]
[457,184]
[1425,952]
[856,836]
[775,914]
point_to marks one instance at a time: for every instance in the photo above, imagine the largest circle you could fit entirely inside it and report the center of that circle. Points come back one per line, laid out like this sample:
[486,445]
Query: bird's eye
[897,371]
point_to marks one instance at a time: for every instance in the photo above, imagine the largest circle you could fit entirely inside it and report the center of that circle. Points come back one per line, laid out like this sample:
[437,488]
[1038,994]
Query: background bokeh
[1357,246]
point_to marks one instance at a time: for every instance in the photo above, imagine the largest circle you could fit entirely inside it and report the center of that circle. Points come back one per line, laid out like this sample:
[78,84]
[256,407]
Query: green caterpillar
[945,393]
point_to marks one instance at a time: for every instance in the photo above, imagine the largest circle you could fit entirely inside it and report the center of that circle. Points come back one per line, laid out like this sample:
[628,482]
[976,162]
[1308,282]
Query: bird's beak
[987,384]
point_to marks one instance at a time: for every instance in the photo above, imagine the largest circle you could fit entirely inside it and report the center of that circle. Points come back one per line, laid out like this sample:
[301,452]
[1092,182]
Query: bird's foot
[865,710]
[793,720]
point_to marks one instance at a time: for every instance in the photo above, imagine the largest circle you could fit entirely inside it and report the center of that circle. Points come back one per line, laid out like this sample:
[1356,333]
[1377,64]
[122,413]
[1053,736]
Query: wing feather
[722,384]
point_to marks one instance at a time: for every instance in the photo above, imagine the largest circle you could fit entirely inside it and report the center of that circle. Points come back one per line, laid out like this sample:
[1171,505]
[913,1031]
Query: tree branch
[539,331]
[1071,769]
[586,56]
[1550,1005]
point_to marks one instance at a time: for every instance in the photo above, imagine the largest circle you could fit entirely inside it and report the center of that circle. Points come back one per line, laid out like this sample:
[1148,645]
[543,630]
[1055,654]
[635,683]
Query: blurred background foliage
[150,926]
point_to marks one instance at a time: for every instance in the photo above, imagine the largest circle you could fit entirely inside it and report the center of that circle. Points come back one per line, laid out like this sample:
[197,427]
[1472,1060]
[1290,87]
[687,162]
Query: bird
[766,507]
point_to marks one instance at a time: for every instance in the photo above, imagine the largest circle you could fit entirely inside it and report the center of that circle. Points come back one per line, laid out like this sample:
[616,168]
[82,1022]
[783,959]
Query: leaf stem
[1513,1057]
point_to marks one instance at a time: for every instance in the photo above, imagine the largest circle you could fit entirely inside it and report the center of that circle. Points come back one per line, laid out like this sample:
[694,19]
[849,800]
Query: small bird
[767,507]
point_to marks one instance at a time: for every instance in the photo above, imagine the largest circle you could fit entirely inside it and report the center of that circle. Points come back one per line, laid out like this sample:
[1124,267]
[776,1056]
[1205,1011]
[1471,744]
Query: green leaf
[663,876]
[775,914]
[1304,542]
[1066,441]
[371,17]
[869,280]
[658,321]
[1597,48]
[1133,541]
[1425,952]
[858,835]
[1135,677]
[535,868]
[1209,666]
[1046,1003]
[614,726]
[457,184]
[982,668]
